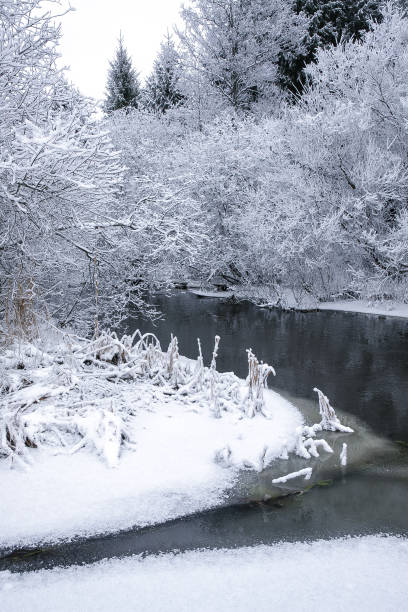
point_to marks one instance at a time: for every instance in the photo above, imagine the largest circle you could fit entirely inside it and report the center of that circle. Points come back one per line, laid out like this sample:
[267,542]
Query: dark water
[362,503]
[359,361]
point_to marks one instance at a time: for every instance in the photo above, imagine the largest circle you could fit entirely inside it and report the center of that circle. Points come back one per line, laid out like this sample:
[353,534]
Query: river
[359,361]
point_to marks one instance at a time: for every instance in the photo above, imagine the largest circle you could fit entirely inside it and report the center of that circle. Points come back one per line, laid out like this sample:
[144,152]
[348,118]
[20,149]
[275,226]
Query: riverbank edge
[80,482]
[386,308]
[368,571]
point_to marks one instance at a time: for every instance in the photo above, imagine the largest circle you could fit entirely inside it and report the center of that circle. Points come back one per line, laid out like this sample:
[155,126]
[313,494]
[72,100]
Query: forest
[268,146]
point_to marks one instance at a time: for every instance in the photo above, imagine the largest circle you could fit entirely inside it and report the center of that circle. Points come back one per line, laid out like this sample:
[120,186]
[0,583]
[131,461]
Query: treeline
[238,54]
[286,132]
[264,147]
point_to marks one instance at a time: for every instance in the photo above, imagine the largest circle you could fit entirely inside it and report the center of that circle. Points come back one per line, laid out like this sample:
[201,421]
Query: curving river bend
[361,364]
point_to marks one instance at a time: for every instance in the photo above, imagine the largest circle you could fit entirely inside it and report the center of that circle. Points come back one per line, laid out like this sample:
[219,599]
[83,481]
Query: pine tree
[330,21]
[333,20]
[123,89]
[162,86]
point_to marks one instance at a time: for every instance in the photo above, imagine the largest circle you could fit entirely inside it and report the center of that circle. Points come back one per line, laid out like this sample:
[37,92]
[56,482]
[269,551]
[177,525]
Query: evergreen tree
[123,89]
[330,21]
[162,91]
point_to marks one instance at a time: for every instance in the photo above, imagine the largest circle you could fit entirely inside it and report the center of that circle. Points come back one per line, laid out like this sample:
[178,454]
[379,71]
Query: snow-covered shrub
[172,360]
[74,393]
[14,440]
[214,391]
[258,373]
[329,421]
[306,445]
[68,396]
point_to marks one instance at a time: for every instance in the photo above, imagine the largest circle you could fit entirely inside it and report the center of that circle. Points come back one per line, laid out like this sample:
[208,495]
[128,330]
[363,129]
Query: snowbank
[112,434]
[171,473]
[175,432]
[388,308]
[287,299]
[211,294]
[361,574]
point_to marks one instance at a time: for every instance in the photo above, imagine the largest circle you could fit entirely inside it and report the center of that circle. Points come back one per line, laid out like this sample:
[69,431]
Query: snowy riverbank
[171,473]
[305,303]
[386,308]
[105,435]
[365,574]
[263,297]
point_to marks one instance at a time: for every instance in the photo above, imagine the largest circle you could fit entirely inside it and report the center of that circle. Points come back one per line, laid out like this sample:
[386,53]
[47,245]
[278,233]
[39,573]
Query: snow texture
[176,433]
[168,425]
[368,573]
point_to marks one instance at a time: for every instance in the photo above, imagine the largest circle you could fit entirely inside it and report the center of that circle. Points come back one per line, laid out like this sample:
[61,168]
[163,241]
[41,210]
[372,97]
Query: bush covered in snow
[78,393]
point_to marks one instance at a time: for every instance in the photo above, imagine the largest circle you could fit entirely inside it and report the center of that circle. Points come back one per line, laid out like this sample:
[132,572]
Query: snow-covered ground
[287,299]
[211,294]
[105,435]
[171,473]
[361,574]
[388,308]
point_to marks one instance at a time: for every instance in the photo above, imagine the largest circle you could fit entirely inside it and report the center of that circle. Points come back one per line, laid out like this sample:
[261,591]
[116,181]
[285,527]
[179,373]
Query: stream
[359,361]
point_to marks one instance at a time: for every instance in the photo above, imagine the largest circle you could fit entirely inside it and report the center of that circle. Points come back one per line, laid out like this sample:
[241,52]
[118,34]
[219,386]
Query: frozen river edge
[111,434]
[366,573]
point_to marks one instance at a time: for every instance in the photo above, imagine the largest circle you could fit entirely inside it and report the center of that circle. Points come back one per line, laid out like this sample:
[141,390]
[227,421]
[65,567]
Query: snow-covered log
[306,472]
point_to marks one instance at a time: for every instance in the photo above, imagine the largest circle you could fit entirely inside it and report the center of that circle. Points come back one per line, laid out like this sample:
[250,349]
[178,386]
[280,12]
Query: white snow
[388,308]
[289,300]
[211,294]
[169,454]
[171,473]
[362,574]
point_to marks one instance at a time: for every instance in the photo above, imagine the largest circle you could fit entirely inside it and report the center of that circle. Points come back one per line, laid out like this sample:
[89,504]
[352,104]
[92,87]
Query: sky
[90,35]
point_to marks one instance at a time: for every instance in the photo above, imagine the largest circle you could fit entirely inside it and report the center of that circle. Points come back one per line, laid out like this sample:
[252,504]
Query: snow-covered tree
[361,87]
[331,213]
[235,45]
[75,240]
[315,198]
[123,89]
[335,20]
[58,171]
[329,22]
[162,90]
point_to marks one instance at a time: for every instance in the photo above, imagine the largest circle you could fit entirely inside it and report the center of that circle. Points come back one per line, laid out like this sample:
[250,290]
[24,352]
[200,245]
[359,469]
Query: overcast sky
[90,37]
